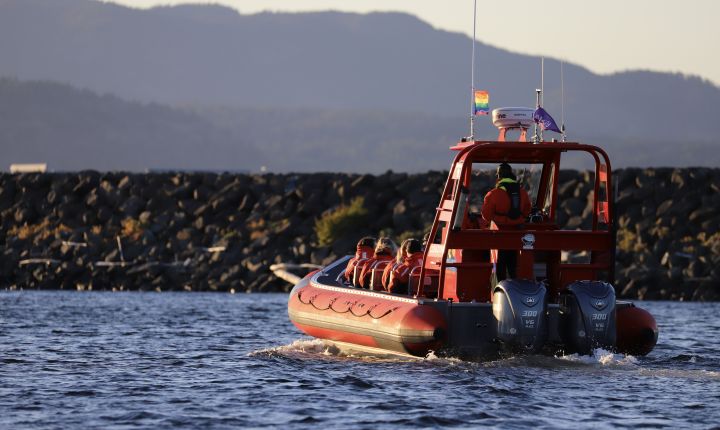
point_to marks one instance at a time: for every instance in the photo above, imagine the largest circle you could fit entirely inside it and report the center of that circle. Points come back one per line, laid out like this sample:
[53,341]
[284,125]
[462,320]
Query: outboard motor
[519,307]
[587,316]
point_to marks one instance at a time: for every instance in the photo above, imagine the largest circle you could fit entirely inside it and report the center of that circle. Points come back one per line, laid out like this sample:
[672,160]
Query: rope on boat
[311,302]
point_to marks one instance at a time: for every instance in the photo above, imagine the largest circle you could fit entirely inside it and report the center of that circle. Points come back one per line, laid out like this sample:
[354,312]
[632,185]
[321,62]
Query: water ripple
[145,360]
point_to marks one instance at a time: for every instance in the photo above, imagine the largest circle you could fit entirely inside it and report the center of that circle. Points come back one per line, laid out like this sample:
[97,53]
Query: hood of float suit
[504,170]
[385,247]
[413,246]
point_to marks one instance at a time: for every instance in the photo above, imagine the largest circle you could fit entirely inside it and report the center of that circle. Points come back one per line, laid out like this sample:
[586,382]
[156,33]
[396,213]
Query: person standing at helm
[507,205]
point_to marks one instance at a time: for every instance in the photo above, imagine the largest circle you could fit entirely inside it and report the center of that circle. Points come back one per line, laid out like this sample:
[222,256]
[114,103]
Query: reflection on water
[124,360]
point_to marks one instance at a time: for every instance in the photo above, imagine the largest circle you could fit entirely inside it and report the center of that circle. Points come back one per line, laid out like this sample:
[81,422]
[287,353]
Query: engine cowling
[519,307]
[587,316]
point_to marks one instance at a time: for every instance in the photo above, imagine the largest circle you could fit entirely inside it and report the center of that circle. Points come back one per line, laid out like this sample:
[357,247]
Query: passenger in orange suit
[384,251]
[365,249]
[399,259]
[400,276]
[507,205]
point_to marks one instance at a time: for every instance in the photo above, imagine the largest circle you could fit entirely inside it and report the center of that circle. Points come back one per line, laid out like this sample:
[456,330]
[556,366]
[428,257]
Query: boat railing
[544,240]
[470,255]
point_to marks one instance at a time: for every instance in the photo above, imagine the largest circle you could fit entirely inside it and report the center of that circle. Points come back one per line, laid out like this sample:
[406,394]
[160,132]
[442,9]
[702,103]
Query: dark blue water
[192,360]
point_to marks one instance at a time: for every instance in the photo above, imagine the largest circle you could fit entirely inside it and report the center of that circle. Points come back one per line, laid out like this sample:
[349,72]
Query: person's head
[402,251]
[366,242]
[385,246]
[413,246]
[505,171]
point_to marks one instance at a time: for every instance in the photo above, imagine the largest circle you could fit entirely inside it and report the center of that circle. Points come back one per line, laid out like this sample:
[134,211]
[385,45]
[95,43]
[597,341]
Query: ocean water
[195,360]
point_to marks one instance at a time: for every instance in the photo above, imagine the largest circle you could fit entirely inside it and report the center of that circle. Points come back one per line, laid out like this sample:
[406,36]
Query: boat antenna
[542,79]
[562,100]
[537,138]
[538,100]
[472,77]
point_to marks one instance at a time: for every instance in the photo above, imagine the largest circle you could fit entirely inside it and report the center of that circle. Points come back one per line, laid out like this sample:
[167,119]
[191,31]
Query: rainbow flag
[482,103]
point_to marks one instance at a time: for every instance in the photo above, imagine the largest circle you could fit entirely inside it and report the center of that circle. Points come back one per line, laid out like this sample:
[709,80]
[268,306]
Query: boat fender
[587,316]
[519,307]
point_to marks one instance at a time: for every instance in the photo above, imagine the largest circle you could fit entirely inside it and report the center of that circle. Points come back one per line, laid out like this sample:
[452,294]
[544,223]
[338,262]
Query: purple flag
[545,120]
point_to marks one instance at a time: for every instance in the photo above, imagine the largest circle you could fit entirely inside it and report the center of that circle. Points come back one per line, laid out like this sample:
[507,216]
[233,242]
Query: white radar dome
[513,117]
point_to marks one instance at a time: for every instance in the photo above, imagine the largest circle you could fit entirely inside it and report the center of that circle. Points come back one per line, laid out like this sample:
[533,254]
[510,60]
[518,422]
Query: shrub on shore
[340,221]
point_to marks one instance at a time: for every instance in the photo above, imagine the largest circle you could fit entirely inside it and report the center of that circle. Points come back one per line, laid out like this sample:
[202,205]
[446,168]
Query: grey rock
[573,206]
[132,207]
[574,222]
[664,207]
[703,214]
[145,217]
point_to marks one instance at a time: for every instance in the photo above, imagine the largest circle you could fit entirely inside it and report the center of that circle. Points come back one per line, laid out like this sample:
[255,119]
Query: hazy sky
[604,36]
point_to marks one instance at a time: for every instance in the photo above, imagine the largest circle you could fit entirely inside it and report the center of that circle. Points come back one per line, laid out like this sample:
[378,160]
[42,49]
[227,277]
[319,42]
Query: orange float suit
[507,205]
[367,267]
[362,253]
[400,275]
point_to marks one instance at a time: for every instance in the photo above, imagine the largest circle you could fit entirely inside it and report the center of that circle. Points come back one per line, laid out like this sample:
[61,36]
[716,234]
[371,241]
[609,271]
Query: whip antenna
[542,81]
[539,101]
[537,138]
[472,77]
[562,99]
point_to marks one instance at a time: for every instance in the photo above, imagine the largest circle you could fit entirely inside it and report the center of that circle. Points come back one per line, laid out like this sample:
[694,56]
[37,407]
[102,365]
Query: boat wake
[299,348]
[602,357]
[313,349]
[318,348]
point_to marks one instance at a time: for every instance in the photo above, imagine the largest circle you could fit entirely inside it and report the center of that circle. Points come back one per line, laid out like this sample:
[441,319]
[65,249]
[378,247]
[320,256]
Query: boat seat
[414,279]
[358,270]
[377,272]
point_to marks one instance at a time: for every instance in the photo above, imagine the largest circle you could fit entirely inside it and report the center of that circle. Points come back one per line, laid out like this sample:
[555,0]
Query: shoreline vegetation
[222,232]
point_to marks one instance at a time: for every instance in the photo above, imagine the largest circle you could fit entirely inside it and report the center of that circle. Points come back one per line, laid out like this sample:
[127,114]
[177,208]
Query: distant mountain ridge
[370,81]
[72,129]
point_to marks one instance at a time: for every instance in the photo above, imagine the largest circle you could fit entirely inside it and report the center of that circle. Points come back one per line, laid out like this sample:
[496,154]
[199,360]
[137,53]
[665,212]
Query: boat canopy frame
[450,233]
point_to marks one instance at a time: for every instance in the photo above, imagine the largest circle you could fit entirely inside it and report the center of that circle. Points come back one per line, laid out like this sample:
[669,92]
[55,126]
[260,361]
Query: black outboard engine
[519,307]
[587,316]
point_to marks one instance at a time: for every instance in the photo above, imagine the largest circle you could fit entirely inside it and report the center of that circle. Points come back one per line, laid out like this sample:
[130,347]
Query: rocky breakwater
[186,231]
[221,232]
[669,233]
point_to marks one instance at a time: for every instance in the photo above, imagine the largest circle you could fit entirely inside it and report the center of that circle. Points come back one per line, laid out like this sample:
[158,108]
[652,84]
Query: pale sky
[604,36]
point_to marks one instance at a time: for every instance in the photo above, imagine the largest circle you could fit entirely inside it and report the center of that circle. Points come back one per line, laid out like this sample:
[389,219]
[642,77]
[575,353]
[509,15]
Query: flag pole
[538,133]
[472,77]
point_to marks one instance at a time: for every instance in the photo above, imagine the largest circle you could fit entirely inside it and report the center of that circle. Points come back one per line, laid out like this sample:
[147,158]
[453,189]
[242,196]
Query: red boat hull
[365,318]
[323,307]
